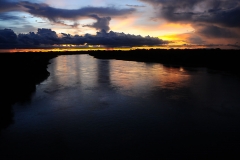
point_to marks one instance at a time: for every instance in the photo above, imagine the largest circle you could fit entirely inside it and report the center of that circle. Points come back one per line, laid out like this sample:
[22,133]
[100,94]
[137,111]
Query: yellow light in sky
[170,37]
[175,39]
[177,33]
[122,24]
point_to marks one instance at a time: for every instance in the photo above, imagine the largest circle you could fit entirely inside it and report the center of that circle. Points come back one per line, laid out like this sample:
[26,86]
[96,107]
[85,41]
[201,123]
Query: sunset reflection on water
[139,77]
[115,106]
[126,77]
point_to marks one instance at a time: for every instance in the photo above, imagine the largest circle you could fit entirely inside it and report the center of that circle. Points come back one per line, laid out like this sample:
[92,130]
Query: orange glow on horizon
[176,33]
[174,39]
[76,49]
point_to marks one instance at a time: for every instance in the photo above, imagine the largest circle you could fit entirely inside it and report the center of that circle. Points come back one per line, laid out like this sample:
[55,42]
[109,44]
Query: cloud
[7,36]
[49,37]
[209,30]
[195,39]
[43,36]
[135,6]
[6,6]
[54,14]
[226,17]
[190,38]
[101,24]
[62,23]
[214,11]
[234,45]
[4,17]
[57,15]
[121,39]
[219,18]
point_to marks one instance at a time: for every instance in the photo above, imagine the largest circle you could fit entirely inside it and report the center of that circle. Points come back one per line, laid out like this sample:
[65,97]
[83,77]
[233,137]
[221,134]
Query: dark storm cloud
[213,31]
[228,18]
[56,15]
[43,36]
[222,13]
[53,14]
[7,36]
[49,37]
[117,39]
[215,11]
[6,5]
[101,24]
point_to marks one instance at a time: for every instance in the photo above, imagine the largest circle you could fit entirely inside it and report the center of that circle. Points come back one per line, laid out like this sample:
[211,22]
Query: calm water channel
[125,110]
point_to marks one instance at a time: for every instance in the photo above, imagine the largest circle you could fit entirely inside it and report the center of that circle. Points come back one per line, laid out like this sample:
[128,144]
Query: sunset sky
[175,21]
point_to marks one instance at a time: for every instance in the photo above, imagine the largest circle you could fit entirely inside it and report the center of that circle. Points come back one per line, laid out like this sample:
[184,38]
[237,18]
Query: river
[125,110]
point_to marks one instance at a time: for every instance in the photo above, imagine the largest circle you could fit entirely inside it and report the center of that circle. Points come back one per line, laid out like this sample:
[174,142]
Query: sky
[123,23]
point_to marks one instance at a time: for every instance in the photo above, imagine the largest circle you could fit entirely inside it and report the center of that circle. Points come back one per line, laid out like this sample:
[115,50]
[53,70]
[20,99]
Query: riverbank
[20,72]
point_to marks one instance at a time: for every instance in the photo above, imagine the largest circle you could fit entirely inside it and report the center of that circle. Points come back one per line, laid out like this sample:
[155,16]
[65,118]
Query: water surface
[125,110]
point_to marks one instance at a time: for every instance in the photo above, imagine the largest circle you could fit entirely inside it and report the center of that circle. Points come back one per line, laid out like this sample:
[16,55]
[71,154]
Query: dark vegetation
[224,60]
[20,72]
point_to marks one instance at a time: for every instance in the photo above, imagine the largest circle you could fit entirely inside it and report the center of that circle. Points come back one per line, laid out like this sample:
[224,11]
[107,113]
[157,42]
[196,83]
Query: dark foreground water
[112,109]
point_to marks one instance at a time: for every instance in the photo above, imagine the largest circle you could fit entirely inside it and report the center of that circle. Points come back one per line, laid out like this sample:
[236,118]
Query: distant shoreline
[216,59]
[83,49]
[224,60]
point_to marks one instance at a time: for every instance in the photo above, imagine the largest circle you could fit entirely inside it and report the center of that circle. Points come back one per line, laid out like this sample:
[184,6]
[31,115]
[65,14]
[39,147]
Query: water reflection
[73,71]
[104,73]
[104,108]
[134,78]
